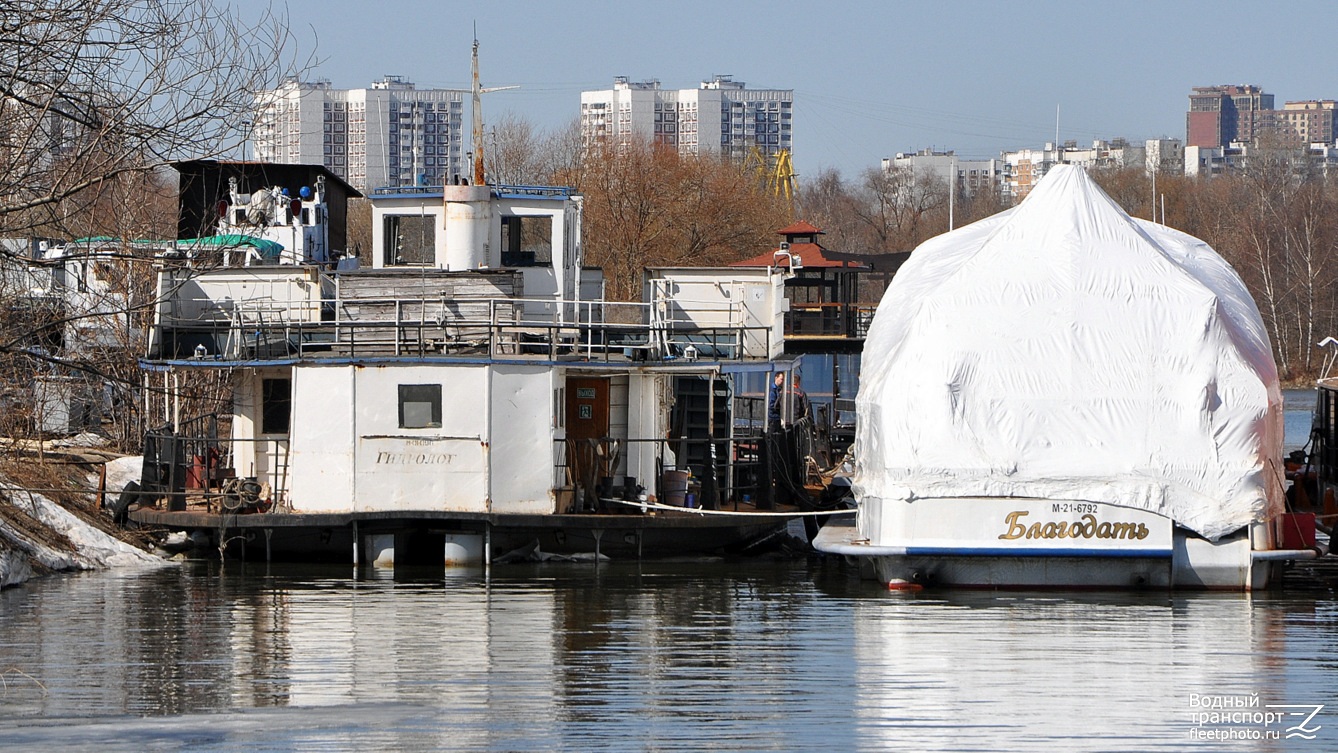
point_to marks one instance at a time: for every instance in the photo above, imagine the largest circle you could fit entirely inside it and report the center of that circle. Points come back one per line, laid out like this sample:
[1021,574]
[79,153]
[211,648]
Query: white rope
[699,511]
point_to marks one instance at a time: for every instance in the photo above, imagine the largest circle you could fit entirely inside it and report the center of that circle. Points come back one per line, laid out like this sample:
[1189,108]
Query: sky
[870,79]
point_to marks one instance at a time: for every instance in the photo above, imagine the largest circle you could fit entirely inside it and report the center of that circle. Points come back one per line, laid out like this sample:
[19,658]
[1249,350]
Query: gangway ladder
[279,492]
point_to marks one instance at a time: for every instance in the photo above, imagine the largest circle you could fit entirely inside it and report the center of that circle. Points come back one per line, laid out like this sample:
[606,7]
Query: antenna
[477,136]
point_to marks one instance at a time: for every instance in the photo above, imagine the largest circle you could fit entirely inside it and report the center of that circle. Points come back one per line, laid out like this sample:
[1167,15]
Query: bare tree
[899,208]
[561,152]
[97,97]
[512,153]
[828,202]
[647,205]
[358,230]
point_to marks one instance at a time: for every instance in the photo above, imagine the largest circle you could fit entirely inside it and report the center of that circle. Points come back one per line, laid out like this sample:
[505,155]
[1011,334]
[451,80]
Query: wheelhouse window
[420,406]
[276,405]
[527,241]
[410,239]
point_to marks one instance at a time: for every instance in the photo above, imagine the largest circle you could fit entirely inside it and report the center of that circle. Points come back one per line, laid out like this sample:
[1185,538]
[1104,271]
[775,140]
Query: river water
[668,656]
[681,656]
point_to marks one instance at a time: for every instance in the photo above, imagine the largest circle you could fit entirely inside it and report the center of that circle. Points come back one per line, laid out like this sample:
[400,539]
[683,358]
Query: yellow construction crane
[783,176]
[775,172]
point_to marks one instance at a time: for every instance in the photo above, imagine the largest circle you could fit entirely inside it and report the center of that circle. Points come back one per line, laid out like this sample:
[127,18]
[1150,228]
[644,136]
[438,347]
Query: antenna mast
[478,113]
[478,117]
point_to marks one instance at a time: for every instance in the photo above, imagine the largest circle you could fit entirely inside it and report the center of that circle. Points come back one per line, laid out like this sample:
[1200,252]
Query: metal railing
[194,466]
[829,319]
[586,330]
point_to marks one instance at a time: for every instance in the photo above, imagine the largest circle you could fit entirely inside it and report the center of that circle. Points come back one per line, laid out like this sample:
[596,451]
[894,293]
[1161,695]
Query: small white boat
[1065,396]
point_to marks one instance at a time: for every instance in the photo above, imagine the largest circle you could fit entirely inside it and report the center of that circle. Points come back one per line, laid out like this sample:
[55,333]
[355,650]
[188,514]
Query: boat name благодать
[1086,528]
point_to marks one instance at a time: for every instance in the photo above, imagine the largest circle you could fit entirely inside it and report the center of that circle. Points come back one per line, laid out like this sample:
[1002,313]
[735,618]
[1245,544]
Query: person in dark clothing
[774,401]
[800,399]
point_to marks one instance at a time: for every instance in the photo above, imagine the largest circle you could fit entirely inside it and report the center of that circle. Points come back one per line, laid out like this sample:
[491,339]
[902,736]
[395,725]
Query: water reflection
[1058,669]
[678,656]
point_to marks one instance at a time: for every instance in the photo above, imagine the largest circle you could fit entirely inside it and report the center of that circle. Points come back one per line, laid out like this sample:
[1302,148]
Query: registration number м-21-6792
[1073,507]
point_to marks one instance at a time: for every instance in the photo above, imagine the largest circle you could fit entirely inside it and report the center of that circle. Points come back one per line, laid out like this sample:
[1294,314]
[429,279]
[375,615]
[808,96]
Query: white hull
[1013,543]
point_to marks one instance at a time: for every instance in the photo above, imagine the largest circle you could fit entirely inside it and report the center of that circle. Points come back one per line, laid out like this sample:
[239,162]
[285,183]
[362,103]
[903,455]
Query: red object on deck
[1296,530]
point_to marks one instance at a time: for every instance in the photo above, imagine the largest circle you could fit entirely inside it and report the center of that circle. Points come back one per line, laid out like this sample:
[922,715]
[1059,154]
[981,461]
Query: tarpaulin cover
[1065,350]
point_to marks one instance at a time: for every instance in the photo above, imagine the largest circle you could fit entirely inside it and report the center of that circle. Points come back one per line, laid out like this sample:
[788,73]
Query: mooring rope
[699,511]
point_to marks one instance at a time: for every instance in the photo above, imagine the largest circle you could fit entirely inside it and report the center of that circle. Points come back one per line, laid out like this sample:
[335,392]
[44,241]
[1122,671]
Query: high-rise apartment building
[391,134]
[1220,116]
[721,116]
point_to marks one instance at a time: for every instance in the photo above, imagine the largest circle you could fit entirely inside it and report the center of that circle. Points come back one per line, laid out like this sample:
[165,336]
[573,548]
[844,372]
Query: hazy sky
[870,79]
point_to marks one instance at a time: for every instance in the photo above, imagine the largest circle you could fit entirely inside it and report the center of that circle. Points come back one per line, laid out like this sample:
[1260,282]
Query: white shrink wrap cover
[1063,349]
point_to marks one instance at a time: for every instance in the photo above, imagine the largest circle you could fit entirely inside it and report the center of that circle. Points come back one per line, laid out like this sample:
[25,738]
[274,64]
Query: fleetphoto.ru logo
[1242,717]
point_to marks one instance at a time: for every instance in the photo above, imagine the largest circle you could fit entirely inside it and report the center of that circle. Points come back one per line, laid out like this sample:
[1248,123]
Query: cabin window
[410,239]
[527,241]
[420,406]
[276,405]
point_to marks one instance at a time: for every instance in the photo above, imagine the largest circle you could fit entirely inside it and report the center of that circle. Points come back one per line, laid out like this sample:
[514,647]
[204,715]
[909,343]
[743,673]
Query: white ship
[1065,396]
[469,393]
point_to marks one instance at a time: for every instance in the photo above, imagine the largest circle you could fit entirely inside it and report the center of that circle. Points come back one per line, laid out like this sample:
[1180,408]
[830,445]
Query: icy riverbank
[39,535]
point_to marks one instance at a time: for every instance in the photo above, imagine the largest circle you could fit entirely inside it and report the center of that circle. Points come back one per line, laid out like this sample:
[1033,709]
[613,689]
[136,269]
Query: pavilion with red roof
[824,292]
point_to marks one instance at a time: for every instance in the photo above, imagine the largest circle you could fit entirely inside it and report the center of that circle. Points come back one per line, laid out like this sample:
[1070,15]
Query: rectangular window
[420,406]
[410,239]
[527,241]
[276,405]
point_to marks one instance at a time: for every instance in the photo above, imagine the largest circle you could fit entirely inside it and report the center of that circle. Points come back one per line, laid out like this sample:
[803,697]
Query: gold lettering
[1124,531]
[1015,529]
[1088,527]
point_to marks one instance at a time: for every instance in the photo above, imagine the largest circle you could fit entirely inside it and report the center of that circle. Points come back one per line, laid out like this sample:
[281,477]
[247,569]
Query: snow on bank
[92,548]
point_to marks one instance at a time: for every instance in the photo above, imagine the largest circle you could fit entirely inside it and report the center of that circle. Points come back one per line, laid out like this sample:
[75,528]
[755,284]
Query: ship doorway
[587,407]
[590,457]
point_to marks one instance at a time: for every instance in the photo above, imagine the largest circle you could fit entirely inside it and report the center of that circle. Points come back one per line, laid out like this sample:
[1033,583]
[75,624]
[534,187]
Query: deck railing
[581,330]
[829,319]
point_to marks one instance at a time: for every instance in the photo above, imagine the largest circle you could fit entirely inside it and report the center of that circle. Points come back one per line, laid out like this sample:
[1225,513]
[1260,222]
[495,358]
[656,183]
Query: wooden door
[587,407]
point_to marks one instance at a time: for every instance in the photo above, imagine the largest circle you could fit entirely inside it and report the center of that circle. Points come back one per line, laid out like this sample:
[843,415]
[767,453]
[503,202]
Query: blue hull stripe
[1012,553]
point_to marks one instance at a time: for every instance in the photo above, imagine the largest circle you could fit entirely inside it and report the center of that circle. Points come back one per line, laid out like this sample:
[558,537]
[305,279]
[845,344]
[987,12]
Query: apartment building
[970,175]
[1309,121]
[1220,116]
[1164,156]
[389,134]
[721,116]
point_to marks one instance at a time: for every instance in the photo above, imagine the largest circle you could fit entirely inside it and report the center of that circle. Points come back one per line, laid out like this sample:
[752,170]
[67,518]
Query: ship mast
[479,178]
[478,118]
